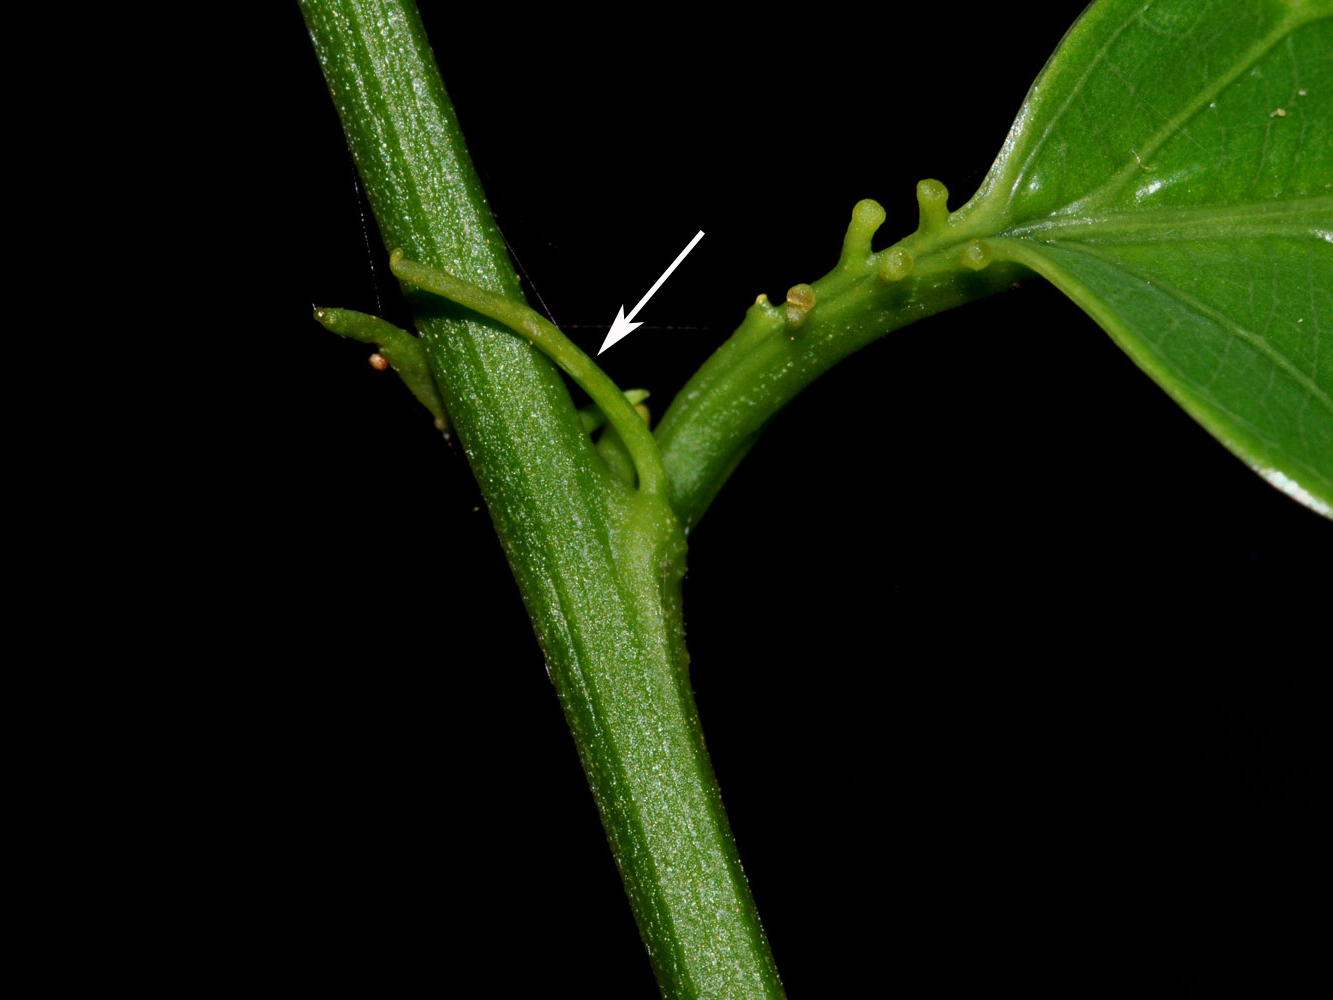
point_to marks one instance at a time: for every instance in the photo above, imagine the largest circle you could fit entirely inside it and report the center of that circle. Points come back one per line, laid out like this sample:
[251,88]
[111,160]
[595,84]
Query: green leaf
[1172,172]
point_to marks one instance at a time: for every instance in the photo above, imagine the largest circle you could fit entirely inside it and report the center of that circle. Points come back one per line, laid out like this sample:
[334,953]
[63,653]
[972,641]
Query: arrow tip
[620,329]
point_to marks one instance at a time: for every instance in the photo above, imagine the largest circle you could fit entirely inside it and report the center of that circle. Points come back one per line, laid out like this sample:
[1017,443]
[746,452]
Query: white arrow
[622,327]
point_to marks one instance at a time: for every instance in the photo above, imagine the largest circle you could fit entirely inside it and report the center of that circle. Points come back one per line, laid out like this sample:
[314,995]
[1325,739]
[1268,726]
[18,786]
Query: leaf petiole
[544,335]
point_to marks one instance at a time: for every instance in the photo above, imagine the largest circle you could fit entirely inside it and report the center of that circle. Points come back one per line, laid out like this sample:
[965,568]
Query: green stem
[598,564]
[778,351]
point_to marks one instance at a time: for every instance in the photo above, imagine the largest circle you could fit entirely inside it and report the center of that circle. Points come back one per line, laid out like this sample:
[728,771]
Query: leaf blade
[1282,442]
[1172,172]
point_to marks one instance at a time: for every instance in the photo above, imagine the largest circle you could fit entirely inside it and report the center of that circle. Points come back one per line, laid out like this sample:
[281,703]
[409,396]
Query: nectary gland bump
[800,300]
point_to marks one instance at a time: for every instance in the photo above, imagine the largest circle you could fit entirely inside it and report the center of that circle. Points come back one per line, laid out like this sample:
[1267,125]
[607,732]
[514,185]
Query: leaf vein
[1186,114]
[1221,319]
[1069,99]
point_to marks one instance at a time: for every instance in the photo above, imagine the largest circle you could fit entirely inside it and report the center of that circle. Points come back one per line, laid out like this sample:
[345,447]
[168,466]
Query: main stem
[598,562]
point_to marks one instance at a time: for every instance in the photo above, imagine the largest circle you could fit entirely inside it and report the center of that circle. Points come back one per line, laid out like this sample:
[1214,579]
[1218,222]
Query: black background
[1012,676]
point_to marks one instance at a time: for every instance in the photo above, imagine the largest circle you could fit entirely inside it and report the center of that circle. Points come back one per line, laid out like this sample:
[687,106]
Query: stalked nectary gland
[932,199]
[867,217]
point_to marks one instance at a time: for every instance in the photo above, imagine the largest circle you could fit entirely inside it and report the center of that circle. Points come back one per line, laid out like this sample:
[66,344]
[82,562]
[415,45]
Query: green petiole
[399,348]
[544,335]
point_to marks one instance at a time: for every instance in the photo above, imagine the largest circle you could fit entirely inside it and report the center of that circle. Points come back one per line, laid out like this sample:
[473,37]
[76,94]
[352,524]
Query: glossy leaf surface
[1172,172]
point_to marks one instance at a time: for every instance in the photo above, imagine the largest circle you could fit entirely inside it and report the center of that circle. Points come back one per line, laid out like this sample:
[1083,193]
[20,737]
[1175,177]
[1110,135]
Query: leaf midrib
[1294,217]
